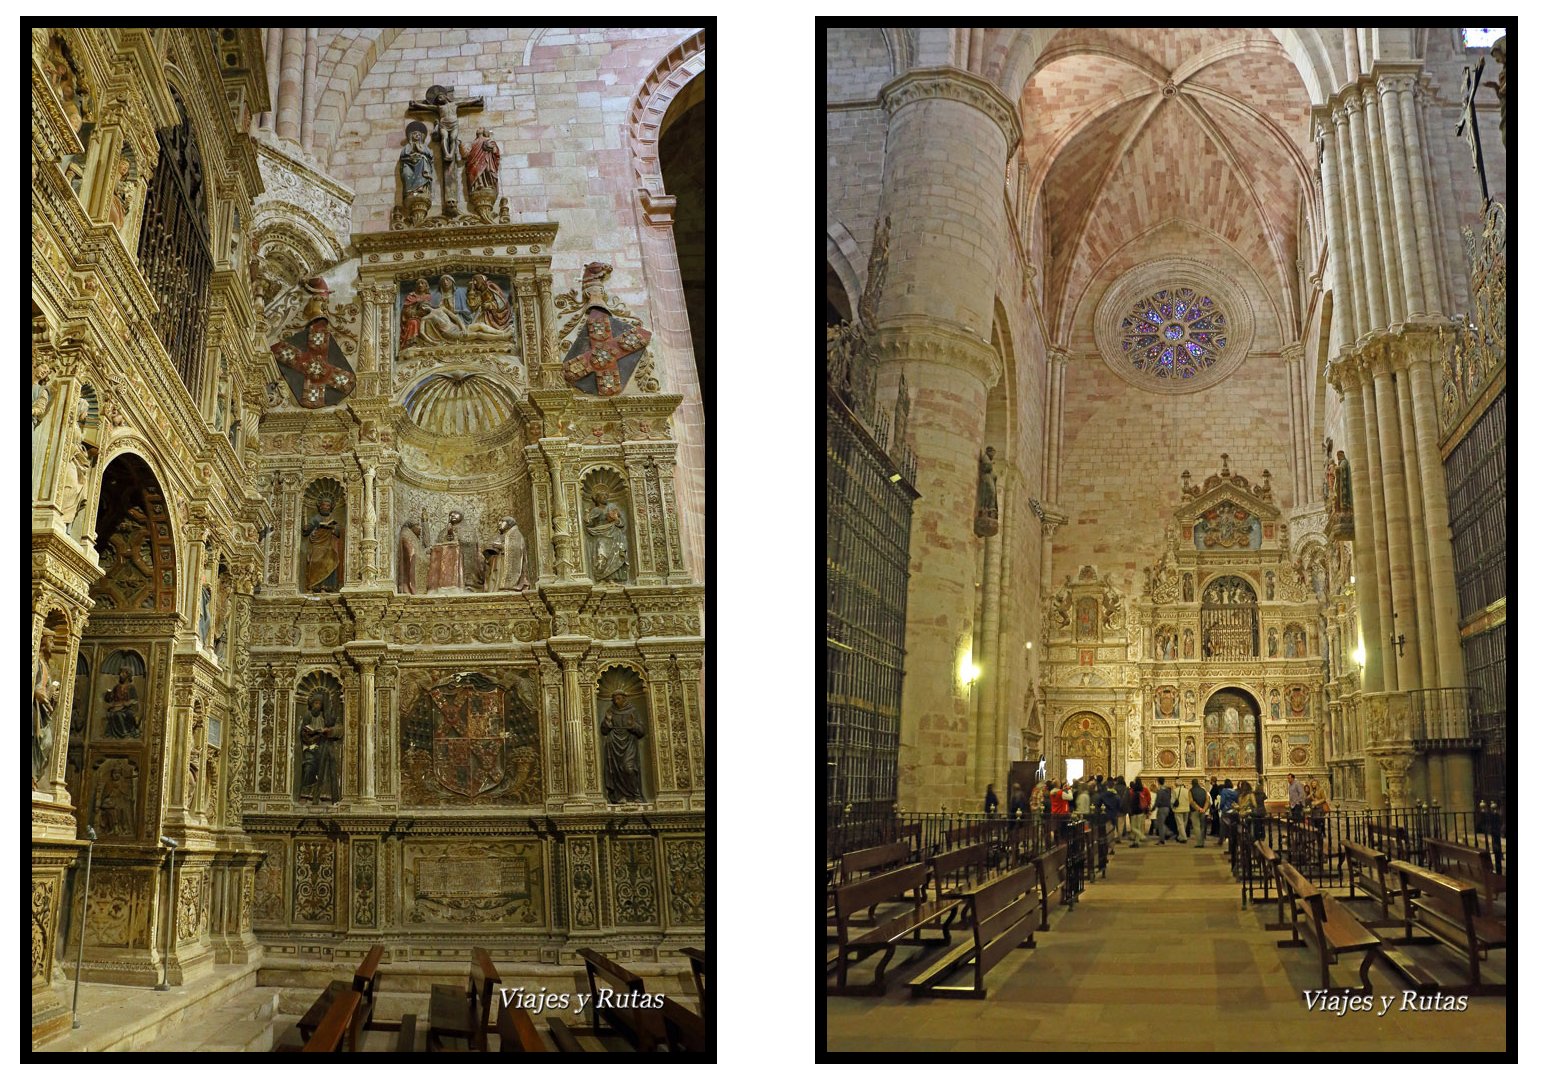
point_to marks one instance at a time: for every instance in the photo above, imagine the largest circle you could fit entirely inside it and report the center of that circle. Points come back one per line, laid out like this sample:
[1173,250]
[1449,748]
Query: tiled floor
[1159,955]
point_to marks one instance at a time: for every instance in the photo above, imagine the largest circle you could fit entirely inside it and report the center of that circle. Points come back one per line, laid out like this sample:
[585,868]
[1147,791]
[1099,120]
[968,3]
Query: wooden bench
[1269,866]
[877,858]
[698,960]
[640,1027]
[1329,927]
[562,1035]
[1051,872]
[956,873]
[1368,874]
[1447,908]
[904,929]
[459,1016]
[684,1029]
[1470,865]
[517,1031]
[1388,839]
[364,979]
[338,1029]
[1002,914]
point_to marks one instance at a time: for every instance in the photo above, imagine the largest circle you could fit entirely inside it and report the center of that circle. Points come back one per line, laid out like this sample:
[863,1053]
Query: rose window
[1174,334]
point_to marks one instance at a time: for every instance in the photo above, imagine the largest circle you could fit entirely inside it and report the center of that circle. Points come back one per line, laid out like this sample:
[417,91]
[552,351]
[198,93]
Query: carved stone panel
[364,884]
[268,895]
[477,882]
[685,866]
[583,908]
[634,881]
[315,881]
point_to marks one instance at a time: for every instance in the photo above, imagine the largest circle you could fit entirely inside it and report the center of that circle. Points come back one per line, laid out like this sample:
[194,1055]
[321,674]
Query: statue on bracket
[409,545]
[321,741]
[45,691]
[607,348]
[622,730]
[115,798]
[482,177]
[310,361]
[506,559]
[323,534]
[416,166]
[1341,509]
[605,525]
[446,568]
[122,703]
[986,518]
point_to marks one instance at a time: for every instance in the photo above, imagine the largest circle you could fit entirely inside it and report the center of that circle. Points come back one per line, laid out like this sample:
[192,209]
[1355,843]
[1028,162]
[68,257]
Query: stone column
[582,769]
[1432,302]
[1376,154]
[367,659]
[1342,329]
[273,54]
[949,132]
[291,83]
[987,720]
[1346,378]
[1055,411]
[308,90]
[1445,611]
[1395,503]
[1349,216]
[1395,767]
[1375,313]
[1293,355]
[1417,517]
[1374,482]
[1397,154]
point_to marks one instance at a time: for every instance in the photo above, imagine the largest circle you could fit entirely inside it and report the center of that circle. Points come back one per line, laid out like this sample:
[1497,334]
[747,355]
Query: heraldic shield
[314,367]
[604,354]
[468,737]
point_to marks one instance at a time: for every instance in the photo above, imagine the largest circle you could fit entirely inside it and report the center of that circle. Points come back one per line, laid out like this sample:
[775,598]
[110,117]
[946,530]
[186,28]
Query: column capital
[959,86]
[1344,372]
[914,339]
[1394,82]
[1293,353]
[1351,104]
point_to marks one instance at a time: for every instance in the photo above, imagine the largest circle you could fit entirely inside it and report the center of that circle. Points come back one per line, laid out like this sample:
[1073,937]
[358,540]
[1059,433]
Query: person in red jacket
[1059,802]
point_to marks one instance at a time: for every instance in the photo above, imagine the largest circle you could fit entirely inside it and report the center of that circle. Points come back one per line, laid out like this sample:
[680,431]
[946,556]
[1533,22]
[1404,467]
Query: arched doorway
[1086,738]
[1233,734]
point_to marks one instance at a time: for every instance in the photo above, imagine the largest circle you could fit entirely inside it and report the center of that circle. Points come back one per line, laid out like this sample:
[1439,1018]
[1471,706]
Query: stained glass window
[1481,37]
[1177,333]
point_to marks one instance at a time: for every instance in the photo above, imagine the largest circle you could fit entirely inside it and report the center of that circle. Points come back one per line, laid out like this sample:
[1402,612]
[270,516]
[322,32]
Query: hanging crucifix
[1468,125]
[446,108]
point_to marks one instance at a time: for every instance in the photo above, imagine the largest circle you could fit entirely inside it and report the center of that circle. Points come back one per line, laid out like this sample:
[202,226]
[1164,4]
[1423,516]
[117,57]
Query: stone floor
[1157,956]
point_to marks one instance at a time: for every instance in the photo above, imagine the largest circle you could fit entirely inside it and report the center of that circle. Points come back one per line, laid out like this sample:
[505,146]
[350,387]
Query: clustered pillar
[949,133]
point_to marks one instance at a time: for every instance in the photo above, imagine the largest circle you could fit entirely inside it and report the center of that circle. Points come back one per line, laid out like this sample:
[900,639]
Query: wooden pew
[684,1029]
[956,873]
[1051,870]
[1329,927]
[364,980]
[1368,874]
[562,1035]
[904,929]
[1389,839]
[1269,865]
[1447,909]
[1469,865]
[640,1027]
[1002,913]
[338,1029]
[517,1032]
[698,960]
[878,858]
[459,1016]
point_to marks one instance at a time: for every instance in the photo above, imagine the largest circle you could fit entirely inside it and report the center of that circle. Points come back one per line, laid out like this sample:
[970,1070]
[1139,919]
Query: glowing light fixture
[1359,655]
[968,671]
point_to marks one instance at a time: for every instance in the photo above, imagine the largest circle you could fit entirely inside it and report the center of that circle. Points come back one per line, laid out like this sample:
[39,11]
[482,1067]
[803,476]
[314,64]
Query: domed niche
[460,403]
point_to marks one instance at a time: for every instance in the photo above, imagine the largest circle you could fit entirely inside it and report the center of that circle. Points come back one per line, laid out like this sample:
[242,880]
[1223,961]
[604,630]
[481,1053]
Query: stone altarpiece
[1214,668]
[175,651]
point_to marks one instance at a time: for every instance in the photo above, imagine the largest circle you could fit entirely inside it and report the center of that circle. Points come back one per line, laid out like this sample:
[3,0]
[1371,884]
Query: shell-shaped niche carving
[459,403]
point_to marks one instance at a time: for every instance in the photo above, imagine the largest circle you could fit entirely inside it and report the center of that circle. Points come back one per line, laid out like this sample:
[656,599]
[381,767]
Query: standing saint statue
[324,550]
[45,689]
[623,768]
[1341,484]
[321,737]
[408,546]
[445,568]
[416,166]
[442,103]
[606,527]
[482,174]
[506,559]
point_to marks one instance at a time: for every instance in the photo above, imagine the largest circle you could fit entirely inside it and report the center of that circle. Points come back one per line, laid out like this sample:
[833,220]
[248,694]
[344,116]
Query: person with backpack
[1148,816]
[1136,821]
[1199,811]
[1163,808]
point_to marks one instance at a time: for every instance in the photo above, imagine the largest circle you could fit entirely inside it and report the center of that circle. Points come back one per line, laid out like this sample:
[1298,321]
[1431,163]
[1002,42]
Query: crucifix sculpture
[1468,125]
[446,108]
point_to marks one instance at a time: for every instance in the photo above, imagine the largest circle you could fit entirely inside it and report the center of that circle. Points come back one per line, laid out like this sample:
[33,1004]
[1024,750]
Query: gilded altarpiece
[1215,665]
[474,632]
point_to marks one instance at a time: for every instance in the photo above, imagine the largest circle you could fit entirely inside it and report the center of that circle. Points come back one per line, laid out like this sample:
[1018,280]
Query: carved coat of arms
[468,737]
